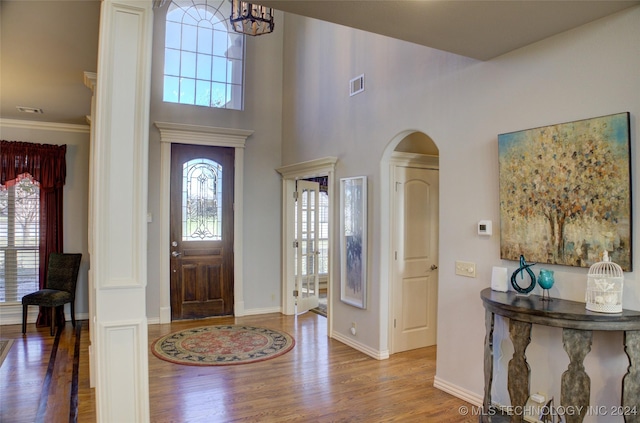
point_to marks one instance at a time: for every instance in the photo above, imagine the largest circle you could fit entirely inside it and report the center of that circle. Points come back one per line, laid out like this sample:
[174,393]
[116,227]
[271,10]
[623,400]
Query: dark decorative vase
[524,266]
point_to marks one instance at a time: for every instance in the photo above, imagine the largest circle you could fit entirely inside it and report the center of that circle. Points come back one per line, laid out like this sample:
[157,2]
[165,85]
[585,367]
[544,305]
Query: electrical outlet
[466,268]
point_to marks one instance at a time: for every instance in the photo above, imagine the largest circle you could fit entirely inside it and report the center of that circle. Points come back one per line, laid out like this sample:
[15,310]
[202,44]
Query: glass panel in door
[306,255]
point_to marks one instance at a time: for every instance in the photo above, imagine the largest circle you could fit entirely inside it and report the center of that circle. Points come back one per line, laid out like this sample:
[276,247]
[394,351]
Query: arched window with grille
[204,57]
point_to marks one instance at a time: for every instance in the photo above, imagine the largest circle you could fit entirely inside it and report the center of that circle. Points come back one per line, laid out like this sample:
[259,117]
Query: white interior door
[306,245]
[415,284]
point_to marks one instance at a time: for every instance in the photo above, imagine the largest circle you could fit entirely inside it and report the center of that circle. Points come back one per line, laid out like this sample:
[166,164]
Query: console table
[577,324]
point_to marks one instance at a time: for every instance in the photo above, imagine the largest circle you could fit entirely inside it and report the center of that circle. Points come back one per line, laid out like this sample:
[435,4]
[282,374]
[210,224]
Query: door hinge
[396,255]
[295,244]
[295,293]
[394,323]
[295,195]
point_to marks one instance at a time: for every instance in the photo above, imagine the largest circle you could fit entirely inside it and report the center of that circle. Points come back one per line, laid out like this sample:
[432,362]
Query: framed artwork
[565,192]
[353,241]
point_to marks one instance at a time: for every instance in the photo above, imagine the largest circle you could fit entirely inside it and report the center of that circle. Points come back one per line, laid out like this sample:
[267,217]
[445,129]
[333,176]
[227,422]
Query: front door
[415,285]
[201,232]
[306,245]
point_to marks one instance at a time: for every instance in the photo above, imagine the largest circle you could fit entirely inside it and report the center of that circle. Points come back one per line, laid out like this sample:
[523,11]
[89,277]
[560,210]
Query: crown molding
[304,169]
[90,80]
[202,135]
[43,126]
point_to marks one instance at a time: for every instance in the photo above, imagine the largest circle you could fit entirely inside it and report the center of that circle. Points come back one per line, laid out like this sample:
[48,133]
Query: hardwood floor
[320,380]
[42,375]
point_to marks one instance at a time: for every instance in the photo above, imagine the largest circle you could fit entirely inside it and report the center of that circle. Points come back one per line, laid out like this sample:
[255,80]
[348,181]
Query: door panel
[307,217]
[414,315]
[201,231]
[416,241]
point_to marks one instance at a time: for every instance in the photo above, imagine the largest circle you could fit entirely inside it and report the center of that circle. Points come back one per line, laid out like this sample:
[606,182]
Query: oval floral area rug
[222,345]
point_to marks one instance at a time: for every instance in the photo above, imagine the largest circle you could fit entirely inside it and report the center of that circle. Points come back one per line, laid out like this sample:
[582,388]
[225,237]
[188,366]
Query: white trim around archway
[176,133]
[390,159]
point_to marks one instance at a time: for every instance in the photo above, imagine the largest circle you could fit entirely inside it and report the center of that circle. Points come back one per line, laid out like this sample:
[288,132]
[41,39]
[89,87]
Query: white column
[90,79]
[119,210]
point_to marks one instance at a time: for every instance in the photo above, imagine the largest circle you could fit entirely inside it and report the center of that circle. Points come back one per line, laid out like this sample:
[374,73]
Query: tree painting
[565,192]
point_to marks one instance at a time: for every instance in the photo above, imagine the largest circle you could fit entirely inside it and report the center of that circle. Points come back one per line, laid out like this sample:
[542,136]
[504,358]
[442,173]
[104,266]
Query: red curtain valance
[45,163]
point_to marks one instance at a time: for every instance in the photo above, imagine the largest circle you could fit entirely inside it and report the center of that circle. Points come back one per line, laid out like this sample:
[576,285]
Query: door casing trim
[401,159]
[178,133]
[389,160]
[290,173]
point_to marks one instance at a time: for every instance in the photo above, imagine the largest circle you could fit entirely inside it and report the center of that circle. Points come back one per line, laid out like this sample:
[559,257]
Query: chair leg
[53,319]
[73,314]
[24,318]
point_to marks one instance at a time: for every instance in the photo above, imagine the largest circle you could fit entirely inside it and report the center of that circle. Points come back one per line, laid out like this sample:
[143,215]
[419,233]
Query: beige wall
[462,104]
[75,195]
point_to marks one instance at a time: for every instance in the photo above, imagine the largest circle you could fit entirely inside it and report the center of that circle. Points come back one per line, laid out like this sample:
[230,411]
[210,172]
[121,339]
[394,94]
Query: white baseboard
[378,355]
[165,315]
[458,392]
[238,309]
[254,311]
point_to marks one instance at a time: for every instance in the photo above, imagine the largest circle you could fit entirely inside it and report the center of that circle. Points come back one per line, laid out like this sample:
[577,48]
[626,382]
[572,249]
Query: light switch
[466,268]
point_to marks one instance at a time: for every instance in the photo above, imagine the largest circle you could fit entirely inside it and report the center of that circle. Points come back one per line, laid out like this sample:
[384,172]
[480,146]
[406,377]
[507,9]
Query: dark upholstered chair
[59,289]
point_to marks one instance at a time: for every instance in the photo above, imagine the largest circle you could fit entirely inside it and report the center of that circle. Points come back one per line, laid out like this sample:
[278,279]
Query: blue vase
[545,280]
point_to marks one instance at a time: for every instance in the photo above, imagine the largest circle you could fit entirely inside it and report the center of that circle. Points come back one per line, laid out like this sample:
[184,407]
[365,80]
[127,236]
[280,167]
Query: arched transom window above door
[204,57]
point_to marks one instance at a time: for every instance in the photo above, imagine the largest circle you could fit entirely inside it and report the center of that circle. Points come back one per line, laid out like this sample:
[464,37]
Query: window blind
[19,239]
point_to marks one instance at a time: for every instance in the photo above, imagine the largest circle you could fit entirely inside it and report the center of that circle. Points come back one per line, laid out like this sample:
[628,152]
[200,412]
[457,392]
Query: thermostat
[484,227]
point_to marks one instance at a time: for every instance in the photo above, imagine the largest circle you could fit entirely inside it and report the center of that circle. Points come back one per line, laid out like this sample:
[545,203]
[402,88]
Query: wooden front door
[201,232]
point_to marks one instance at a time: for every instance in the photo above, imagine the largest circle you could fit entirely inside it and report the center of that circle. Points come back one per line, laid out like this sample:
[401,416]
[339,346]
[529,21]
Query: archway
[409,148]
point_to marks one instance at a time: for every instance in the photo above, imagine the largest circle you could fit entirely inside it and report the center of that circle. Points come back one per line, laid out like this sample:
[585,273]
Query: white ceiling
[46,45]
[474,28]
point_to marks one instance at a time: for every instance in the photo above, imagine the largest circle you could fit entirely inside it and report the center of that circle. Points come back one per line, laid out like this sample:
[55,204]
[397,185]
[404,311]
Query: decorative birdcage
[604,286]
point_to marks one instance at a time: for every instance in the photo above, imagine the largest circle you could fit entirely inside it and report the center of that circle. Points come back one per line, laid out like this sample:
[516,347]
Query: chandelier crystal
[251,19]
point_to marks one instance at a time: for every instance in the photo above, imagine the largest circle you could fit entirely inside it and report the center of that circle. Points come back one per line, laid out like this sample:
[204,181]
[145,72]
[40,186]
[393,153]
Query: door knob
[176,254]
[434,267]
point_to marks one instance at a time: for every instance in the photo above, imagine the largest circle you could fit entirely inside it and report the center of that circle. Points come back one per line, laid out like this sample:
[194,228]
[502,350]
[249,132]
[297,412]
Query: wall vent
[29,109]
[356,85]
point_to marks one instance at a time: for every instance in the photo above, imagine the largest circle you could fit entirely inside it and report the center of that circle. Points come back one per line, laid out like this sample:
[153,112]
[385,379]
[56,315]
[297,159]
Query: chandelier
[251,19]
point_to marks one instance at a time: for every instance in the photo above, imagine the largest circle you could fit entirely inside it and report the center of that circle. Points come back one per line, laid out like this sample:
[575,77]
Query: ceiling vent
[29,110]
[356,85]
